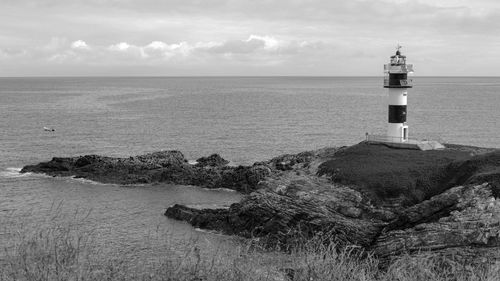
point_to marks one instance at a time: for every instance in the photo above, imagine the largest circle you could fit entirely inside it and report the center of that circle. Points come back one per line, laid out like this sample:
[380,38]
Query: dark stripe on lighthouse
[397,113]
[395,79]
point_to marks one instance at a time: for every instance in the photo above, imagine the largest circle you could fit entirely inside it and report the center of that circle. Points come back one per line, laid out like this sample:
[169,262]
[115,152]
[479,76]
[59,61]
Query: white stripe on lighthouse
[397,96]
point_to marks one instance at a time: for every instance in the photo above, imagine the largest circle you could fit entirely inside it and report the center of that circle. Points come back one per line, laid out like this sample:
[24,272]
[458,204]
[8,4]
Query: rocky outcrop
[387,201]
[459,225]
[288,162]
[214,160]
[164,166]
[284,219]
[462,224]
[295,204]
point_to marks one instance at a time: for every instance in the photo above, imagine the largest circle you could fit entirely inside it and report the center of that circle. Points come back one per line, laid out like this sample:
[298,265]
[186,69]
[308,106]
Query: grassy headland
[412,176]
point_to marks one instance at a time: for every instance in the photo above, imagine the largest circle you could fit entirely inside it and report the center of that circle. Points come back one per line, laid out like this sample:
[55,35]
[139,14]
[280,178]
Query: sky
[247,37]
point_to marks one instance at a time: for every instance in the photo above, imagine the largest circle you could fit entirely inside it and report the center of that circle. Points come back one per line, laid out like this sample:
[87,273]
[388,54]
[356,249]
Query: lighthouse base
[408,144]
[397,132]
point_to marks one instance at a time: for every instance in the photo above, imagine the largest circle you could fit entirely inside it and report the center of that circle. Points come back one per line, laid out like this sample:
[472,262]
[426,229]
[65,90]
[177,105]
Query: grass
[62,251]
[385,173]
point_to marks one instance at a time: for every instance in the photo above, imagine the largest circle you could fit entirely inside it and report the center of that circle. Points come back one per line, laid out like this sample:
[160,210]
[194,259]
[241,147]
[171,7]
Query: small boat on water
[48,129]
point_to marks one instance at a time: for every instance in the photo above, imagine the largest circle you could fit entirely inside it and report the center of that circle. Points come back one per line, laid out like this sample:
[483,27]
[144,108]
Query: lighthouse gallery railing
[398,68]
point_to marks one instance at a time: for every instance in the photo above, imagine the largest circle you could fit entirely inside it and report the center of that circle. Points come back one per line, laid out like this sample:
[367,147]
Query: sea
[244,119]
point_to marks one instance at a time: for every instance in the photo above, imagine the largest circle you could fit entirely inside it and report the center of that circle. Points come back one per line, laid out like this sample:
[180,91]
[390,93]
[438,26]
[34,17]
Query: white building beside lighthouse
[397,82]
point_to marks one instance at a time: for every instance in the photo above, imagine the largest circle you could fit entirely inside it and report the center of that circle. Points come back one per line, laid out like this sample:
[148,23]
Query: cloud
[162,49]
[55,43]
[270,43]
[253,45]
[238,46]
[256,44]
[191,33]
[122,46]
[264,50]
[80,45]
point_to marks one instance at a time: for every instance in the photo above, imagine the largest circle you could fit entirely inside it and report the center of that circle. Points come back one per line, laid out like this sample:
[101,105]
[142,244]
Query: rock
[388,201]
[163,158]
[242,178]
[287,162]
[257,173]
[429,210]
[351,212]
[163,166]
[215,219]
[456,224]
[289,207]
[281,219]
[471,220]
[214,160]
[57,166]
[461,226]
[85,160]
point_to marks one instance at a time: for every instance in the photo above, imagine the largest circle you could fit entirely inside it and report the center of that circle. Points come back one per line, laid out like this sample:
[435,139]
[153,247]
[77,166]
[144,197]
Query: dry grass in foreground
[65,253]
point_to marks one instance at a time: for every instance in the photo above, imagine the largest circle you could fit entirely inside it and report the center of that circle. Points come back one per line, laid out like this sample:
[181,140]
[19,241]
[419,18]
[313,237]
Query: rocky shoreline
[169,167]
[386,201]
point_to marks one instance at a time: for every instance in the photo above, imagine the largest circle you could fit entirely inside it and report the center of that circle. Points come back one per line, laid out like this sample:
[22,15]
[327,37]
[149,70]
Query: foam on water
[13,172]
[207,206]
[87,181]
[210,231]
[230,164]
[219,189]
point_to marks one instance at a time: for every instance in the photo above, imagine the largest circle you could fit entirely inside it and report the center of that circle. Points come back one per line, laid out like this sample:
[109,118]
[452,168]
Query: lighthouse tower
[396,80]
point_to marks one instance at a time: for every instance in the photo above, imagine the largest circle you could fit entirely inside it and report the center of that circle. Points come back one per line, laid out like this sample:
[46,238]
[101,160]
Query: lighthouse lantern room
[396,80]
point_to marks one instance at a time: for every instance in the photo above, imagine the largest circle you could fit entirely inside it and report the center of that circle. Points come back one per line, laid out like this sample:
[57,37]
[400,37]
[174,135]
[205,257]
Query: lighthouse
[397,82]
